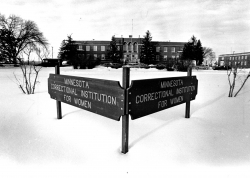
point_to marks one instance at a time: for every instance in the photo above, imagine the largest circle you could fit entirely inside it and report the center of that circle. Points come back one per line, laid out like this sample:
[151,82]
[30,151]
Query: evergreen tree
[199,53]
[193,51]
[147,49]
[114,54]
[68,52]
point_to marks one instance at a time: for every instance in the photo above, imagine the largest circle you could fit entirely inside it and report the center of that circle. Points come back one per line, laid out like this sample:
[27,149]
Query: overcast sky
[223,25]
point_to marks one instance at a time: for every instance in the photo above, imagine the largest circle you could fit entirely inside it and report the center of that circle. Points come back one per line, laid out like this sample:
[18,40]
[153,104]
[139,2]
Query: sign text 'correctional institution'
[103,97]
[153,95]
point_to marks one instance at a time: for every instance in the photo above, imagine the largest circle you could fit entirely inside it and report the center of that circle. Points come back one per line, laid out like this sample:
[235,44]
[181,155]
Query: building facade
[242,60]
[130,49]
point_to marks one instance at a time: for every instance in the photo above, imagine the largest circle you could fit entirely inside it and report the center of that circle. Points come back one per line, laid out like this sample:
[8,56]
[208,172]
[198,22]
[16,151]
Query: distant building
[242,60]
[130,49]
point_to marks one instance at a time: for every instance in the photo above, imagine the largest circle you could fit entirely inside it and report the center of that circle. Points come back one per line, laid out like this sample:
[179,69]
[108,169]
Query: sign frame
[123,93]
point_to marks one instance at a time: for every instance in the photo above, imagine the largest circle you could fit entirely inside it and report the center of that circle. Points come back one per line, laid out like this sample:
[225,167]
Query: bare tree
[234,71]
[16,35]
[29,69]
[231,80]
[209,55]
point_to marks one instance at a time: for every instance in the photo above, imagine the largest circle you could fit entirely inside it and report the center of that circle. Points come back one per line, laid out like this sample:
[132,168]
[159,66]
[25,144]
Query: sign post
[125,118]
[58,103]
[187,113]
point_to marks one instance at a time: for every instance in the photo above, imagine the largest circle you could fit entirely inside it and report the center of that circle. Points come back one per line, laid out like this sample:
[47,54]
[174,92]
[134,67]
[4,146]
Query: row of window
[127,48]
[236,57]
[165,49]
[156,56]
[126,56]
[241,63]
[165,57]
[87,48]
[95,56]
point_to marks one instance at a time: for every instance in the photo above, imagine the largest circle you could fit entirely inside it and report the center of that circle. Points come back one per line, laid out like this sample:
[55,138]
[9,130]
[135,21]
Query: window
[80,47]
[173,49]
[87,48]
[242,57]
[245,63]
[135,47]
[129,47]
[95,56]
[157,57]
[158,49]
[229,63]
[125,47]
[229,58]
[132,47]
[103,57]
[245,57]
[242,63]
[165,49]
[118,48]
[165,57]
[102,48]
[95,48]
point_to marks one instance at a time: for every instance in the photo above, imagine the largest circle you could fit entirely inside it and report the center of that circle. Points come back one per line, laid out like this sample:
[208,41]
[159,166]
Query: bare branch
[242,84]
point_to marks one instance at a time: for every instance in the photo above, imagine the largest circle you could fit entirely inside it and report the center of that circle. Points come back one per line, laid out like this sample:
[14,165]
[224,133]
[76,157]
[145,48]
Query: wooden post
[58,103]
[187,113]
[125,118]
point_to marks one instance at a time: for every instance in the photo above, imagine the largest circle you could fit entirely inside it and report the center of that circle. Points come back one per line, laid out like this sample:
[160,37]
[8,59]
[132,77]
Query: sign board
[103,97]
[152,95]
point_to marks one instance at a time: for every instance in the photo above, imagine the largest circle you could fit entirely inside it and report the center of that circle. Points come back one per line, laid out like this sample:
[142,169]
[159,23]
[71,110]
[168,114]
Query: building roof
[138,40]
[235,54]
[91,42]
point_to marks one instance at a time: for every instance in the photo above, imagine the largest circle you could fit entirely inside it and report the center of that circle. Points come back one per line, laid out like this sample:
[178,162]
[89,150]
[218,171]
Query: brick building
[130,49]
[240,59]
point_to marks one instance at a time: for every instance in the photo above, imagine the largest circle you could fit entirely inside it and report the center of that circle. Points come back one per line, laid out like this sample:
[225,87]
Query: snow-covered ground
[214,142]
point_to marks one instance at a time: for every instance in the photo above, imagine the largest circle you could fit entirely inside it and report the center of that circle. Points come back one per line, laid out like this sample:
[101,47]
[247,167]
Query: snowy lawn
[214,142]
